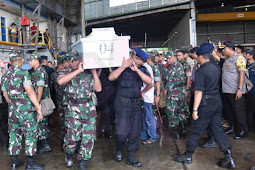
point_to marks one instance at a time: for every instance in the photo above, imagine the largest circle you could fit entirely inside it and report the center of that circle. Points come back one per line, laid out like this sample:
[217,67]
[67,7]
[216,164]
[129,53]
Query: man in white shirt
[148,131]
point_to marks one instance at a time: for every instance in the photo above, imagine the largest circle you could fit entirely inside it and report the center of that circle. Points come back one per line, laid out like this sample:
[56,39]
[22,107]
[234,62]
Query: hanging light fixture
[222,4]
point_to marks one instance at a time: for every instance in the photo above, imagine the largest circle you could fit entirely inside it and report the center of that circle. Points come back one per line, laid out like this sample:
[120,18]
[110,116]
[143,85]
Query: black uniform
[209,111]
[128,107]
[3,122]
[106,103]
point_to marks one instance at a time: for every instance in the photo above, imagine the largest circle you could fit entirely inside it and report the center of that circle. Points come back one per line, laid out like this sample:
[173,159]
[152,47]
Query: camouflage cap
[33,56]
[170,54]
[14,55]
[74,54]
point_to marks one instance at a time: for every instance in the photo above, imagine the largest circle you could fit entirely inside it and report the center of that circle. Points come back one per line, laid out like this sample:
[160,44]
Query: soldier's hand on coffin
[126,62]
[80,68]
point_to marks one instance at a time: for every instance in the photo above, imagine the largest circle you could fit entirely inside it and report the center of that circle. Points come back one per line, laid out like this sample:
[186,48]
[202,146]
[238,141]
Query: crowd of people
[209,86]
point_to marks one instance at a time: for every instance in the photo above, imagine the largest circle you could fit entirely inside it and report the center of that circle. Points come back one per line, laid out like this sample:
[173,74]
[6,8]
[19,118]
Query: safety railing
[16,38]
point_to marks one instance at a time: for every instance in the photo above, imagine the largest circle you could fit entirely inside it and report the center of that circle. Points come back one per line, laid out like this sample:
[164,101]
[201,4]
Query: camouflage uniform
[161,67]
[156,72]
[40,78]
[157,77]
[187,70]
[22,119]
[174,79]
[80,115]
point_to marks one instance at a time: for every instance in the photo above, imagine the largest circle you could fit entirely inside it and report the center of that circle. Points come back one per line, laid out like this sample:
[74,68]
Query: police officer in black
[207,110]
[130,77]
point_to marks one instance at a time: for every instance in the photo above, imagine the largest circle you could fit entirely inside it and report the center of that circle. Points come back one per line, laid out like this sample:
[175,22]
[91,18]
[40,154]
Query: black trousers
[250,109]
[3,123]
[235,111]
[107,114]
[127,125]
[208,118]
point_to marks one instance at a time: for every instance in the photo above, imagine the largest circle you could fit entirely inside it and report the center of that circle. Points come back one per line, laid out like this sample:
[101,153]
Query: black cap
[194,50]
[251,52]
[240,47]
[229,44]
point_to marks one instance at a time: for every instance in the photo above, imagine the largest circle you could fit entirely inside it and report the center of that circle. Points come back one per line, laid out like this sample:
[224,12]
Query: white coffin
[102,48]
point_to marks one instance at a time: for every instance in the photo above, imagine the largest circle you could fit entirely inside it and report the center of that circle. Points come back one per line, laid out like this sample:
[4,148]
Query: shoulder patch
[241,63]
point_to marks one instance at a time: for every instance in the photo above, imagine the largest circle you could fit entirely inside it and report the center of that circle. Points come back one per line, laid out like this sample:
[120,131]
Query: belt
[79,101]
[127,100]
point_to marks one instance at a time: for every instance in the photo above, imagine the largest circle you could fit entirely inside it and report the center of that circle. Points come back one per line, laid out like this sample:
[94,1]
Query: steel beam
[49,7]
[83,26]
[178,6]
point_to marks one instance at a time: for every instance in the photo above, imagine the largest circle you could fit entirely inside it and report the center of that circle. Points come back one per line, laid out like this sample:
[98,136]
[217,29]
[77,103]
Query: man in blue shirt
[250,100]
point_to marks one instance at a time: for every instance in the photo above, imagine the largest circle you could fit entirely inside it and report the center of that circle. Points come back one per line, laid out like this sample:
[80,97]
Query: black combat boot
[82,165]
[228,161]
[5,145]
[45,147]
[186,157]
[118,156]
[174,133]
[16,163]
[32,165]
[209,144]
[131,160]
[69,160]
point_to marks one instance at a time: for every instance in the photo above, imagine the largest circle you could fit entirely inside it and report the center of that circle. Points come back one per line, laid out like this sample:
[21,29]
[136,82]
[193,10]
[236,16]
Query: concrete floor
[157,156]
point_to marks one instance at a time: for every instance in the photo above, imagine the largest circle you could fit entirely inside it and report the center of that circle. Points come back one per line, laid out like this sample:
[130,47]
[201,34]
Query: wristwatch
[157,95]
[241,89]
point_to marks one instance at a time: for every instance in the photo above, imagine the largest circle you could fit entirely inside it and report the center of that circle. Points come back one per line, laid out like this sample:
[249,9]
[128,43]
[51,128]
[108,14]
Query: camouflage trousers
[176,109]
[43,128]
[81,125]
[22,123]
[62,120]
